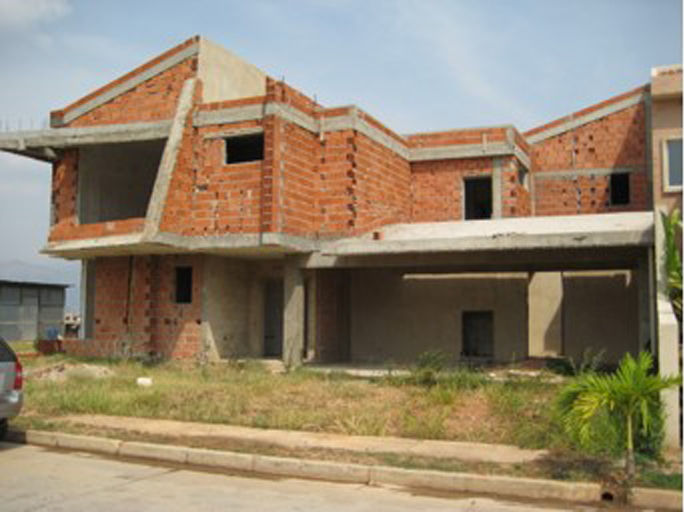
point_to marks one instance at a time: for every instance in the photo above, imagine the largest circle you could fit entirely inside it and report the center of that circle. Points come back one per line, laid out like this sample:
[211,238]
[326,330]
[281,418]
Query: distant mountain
[49,271]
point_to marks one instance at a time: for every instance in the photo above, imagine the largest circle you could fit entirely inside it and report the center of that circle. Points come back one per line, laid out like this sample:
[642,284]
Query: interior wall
[396,319]
[116,180]
[600,311]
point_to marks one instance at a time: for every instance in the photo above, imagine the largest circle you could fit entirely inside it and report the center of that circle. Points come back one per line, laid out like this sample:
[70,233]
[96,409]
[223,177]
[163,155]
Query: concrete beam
[525,260]
[566,174]
[229,115]
[576,122]
[155,207]
[460,151]
[354,121]
[45,141]
[112,92]
[293,314]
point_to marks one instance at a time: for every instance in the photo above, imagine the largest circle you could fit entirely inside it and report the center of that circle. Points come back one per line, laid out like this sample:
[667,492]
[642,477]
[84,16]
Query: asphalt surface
[38,479]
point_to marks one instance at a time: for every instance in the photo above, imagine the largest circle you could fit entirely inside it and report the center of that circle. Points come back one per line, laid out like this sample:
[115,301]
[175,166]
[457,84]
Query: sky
[422,65]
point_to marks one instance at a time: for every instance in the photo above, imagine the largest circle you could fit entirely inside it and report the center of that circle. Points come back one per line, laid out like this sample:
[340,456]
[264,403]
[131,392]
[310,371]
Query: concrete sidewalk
[480,452]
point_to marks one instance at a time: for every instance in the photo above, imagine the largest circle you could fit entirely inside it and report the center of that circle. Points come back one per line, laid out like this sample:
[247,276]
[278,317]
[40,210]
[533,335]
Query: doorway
[478,198]
[273,318]
[478,334]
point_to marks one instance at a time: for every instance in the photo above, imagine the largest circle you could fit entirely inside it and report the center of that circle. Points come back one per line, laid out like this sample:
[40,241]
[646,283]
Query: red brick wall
[63,197]
[617,140]
[447,138]
[299,179]
[336,184]
[437,187]
[208,197]
[515,198]
[154,99]
[135,311]
[176,328]
[381,186]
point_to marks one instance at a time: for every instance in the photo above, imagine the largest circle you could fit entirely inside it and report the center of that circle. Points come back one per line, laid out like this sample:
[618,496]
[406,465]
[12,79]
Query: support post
[293,315]
[668,366]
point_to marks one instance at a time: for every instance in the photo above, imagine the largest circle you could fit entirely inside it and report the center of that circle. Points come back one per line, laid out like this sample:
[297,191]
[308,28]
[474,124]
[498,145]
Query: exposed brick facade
[339,173]
[617,141]
[135,312]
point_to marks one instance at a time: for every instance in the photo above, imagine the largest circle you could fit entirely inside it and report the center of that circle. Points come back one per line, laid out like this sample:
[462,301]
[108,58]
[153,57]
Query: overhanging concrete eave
[42,144]
[239,245]
[571,232]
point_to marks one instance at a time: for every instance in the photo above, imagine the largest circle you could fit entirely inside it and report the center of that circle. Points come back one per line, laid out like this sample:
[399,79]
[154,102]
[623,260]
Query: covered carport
[529,287]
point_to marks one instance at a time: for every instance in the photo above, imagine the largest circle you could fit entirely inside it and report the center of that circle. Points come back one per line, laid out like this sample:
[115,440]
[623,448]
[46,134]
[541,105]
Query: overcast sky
[416,65]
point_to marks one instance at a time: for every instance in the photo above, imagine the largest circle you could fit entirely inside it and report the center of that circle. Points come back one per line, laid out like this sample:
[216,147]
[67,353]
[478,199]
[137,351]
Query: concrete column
[642,275]
[311,304]
[496,189]
[545,303]
[87,298]
[293,315]
[668,363]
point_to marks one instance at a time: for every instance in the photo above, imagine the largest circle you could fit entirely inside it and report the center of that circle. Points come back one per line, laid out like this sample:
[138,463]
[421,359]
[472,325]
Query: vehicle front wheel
[3,429]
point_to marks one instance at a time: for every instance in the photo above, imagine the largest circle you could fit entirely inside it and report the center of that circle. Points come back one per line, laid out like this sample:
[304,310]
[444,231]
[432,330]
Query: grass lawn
[463,405]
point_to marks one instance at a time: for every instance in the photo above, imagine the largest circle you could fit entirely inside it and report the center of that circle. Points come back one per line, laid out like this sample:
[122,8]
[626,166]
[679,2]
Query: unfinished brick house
[220,213]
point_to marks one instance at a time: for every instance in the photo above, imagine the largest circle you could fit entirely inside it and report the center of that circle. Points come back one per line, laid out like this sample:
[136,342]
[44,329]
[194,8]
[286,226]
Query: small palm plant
[672,225]
[630,397]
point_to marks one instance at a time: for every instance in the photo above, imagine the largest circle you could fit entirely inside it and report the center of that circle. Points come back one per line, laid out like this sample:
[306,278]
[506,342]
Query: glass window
[673,164]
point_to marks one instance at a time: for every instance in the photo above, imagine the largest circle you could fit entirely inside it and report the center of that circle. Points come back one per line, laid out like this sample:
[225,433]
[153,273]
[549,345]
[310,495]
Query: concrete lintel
[292,115]
[574,173]
[66,137]
[460,151]
[131,83]
[233,133]
[229,115]
[576,122]
[155,207]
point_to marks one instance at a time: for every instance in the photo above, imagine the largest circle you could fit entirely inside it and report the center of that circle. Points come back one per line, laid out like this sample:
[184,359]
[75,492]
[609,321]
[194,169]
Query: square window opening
[244,148]
[619,189]
[478,334]
[672,165]
[478,198]
[183,285]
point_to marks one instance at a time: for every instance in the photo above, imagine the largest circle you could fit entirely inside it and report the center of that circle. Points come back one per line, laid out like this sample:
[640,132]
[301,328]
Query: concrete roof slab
[578,231]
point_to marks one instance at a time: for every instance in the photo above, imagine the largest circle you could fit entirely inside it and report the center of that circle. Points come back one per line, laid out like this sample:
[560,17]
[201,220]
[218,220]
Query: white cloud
[16,15]
[472,56]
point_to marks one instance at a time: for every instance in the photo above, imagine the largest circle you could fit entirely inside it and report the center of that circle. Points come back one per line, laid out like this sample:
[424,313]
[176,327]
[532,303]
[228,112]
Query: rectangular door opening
[478,334]
[273,318]
[478,198]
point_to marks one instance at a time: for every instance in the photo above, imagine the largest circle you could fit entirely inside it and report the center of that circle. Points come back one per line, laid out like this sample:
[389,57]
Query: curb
[529,488]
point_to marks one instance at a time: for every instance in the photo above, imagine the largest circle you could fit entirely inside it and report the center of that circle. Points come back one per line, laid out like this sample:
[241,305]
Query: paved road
[38,479]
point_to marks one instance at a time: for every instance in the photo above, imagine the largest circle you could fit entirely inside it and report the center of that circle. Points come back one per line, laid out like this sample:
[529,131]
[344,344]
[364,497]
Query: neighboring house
[666,141]
[221,213]
[30,310]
